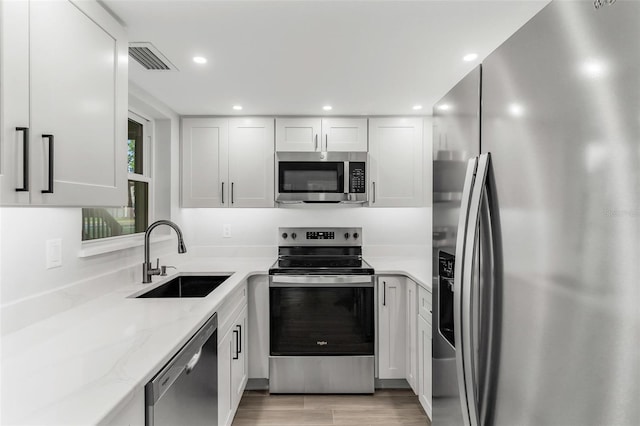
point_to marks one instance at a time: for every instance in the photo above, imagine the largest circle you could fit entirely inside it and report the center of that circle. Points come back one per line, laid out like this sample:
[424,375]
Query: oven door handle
[321,280]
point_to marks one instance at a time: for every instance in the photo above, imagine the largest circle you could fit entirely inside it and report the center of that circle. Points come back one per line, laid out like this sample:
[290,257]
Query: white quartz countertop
[80,365]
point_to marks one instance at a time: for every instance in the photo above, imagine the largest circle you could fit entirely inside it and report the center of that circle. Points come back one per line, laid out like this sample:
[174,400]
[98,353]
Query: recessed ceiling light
[470,57]
[417,107]
[444,107]
[327,107]
[516,110]
[594,68]
[199,59]
[237,107]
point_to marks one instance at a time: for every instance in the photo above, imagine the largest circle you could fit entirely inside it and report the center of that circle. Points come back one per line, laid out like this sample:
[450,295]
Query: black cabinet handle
[49,189]
[384,293]
[25,159]
[237,352]
[231,192]
[240,339]
[222,192]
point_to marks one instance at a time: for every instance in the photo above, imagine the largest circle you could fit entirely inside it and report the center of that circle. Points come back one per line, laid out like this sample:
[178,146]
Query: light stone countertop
[82,364]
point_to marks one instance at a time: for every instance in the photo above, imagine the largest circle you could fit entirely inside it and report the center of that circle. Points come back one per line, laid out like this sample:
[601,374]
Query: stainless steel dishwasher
[185,391]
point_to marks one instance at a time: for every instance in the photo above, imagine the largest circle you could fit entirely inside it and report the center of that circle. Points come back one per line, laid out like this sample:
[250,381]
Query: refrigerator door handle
[490,304]
[467,313]
[457,282]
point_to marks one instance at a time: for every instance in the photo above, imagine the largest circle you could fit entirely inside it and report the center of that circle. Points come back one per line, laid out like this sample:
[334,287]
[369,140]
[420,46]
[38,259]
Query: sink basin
[186,286]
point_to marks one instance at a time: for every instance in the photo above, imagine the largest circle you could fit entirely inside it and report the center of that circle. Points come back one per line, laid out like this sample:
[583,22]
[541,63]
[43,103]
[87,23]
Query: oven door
[314,315]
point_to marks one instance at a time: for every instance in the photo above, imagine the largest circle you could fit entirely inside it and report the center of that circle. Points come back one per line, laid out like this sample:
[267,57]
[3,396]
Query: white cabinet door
[425,374]
[298,134]
[251,162]
[14,75]
[239,365]
[205,162]
[391,328]
[67,83]
[226,352]
[396,162]
[412,335]
[78,78]
[344,134]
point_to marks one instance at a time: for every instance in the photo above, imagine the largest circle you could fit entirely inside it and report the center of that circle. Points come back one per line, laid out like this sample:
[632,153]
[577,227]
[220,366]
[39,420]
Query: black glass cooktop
[309,265]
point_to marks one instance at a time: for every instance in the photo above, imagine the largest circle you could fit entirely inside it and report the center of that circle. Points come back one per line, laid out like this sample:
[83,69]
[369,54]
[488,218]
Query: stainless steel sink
[186,286]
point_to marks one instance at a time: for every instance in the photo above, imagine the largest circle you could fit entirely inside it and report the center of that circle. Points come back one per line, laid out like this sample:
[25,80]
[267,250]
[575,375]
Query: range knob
[355,235]
[293,235]
[346,235]
[284,235]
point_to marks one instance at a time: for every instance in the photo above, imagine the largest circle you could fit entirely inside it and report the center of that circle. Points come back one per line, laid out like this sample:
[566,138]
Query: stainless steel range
[321,301]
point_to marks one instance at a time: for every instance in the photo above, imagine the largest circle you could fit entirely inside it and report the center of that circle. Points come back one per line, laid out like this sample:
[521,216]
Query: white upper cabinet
[396,162]
[205,144]
[251,162]
[344,134]
[315,134]
[64,73]
[298,134]
[227,162]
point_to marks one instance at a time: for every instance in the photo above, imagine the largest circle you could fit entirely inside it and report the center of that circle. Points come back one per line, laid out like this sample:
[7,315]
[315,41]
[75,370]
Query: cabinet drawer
[230,308]
[424,303]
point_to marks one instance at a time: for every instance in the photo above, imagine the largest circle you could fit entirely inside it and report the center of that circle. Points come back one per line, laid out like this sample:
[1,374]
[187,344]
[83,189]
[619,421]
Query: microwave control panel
[357,177]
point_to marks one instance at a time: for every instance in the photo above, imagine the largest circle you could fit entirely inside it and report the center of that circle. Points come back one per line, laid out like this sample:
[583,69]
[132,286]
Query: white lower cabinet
[233,367]
[412,335]
[425,372]
[391,327]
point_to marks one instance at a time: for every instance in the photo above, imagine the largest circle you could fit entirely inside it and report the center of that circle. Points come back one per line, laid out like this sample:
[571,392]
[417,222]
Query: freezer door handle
[459,272]
[489,296]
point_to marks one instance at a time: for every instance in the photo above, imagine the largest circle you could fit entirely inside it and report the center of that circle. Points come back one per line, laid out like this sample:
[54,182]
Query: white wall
[382,227]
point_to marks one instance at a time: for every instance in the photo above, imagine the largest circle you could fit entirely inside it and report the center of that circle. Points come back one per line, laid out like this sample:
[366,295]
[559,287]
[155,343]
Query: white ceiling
[293,57]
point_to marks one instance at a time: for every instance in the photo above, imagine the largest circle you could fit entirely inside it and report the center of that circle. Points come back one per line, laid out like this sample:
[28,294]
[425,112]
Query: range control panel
[319,236]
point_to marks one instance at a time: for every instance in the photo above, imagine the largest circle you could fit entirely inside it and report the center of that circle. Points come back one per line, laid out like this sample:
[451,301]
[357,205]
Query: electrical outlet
[54,253]
[226,231]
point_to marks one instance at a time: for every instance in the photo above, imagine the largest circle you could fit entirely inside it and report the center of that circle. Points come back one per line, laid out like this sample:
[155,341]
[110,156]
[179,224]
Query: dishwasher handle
[183,362]
[193,361]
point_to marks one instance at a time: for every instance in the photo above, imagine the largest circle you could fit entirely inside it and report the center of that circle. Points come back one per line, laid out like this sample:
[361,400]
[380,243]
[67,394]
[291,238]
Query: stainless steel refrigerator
[536,220]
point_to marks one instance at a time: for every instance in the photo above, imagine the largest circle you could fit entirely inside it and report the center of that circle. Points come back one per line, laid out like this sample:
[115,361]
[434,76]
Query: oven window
[321,321]
[311,176]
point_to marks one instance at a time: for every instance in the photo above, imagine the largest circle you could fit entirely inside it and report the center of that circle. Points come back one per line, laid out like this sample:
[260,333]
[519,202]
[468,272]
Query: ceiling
[294,57]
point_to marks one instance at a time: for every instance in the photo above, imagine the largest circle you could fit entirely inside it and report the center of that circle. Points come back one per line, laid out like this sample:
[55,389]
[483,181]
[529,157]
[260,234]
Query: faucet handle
[164,270]
[158,263]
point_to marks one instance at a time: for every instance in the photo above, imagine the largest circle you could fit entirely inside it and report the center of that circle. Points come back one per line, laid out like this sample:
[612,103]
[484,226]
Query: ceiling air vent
[150,57]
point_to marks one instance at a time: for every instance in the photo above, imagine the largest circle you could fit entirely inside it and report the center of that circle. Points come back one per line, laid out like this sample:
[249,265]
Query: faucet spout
[147,270]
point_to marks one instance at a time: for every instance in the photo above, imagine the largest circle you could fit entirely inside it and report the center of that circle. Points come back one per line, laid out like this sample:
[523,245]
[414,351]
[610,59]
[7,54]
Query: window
[134,217]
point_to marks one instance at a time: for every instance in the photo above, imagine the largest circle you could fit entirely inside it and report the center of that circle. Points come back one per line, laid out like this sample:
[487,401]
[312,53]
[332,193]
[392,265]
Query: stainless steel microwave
[321,177]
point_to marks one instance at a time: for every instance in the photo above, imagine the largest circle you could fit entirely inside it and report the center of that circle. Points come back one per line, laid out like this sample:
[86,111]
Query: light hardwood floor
[392,407]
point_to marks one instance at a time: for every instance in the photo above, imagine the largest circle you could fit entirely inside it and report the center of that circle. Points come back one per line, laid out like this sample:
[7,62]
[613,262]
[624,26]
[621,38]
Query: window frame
[119,242]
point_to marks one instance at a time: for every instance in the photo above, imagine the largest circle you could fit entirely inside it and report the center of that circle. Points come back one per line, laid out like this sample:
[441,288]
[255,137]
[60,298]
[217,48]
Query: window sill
[109,245]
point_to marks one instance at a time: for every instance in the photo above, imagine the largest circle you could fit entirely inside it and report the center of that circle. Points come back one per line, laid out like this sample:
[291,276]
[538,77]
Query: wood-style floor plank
[389,407]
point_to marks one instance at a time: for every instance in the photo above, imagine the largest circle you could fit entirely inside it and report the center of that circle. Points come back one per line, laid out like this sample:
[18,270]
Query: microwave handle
[326,142]
[316,147]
